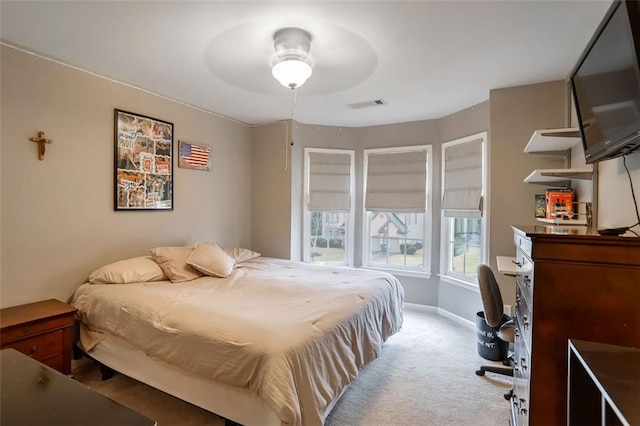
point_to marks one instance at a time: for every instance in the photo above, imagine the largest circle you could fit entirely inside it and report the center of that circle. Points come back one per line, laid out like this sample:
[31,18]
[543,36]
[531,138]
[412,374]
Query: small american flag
[196,156]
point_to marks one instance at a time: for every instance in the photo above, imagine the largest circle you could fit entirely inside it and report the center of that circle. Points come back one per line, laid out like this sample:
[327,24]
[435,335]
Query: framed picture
[143,168]
[194,156]
[541,205]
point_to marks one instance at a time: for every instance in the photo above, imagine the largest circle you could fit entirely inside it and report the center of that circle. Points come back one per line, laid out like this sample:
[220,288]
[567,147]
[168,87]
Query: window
[397,209]
[396,239]
[333,218]
[328,211]
[463,224]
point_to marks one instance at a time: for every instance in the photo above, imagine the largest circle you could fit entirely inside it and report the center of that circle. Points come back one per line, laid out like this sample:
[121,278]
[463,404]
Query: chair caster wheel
[479,372]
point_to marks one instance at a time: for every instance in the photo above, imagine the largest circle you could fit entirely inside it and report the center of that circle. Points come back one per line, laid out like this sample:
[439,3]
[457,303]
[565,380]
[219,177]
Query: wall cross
[41,141]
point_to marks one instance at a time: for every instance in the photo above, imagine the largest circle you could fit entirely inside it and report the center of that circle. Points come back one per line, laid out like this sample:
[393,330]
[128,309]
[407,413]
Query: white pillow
[211,260]
[241,254]
[173,261]
[134,270]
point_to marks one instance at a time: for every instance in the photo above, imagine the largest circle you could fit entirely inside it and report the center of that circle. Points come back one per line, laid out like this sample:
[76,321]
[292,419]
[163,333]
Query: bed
[275,342]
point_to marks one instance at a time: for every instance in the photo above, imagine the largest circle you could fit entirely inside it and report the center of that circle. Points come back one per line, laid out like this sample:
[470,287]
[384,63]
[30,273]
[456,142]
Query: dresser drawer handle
[518,264]
[525,321]
[33,350]
[527,281]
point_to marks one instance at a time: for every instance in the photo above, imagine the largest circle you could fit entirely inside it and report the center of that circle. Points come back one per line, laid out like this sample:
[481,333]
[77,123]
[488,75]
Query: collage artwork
[143,163]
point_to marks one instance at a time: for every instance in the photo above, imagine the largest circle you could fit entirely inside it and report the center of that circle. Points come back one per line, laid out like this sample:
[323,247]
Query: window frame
[446,222]
[306,213]
[425,270]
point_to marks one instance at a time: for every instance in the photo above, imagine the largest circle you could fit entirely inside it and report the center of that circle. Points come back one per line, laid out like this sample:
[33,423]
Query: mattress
[294,334]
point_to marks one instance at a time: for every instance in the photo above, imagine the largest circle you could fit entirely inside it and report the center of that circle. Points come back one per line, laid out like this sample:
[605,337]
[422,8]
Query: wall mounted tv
[606,85]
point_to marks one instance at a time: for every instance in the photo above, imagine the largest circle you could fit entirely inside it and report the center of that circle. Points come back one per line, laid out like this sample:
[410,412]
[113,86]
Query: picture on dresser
[143,168]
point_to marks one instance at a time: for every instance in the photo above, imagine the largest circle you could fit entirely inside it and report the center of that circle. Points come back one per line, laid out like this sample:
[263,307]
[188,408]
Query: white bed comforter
[295,334]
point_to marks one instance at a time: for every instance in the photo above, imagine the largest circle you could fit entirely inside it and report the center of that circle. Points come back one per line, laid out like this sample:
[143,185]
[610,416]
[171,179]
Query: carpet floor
[424,376]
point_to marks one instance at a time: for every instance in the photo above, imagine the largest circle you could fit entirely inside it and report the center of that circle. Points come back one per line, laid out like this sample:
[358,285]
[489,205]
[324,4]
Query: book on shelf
[559,204]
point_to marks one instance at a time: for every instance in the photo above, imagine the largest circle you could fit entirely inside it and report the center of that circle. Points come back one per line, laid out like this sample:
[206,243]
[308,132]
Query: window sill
[401,272]
[460,283]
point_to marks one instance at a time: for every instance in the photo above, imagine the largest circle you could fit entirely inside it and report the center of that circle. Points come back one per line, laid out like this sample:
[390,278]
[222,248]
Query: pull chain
[286,143]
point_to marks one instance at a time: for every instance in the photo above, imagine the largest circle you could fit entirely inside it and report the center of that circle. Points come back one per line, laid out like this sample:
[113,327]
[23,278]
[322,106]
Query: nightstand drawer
[57,362]
[41,346]
[23,330]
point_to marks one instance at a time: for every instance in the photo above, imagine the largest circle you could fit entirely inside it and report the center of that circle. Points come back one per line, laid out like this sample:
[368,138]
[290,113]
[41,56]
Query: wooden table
[604,384]
[34,394]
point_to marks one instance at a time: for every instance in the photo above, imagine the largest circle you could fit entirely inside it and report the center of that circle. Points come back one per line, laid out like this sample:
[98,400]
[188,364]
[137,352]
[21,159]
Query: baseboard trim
[443,312]
[423,308]
[457,318]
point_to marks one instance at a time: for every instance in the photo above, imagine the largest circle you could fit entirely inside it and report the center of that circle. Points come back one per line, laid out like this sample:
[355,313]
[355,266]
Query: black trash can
[490,346]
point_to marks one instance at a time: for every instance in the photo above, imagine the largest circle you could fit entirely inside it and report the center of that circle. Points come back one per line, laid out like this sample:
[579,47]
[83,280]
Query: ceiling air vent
[367,104]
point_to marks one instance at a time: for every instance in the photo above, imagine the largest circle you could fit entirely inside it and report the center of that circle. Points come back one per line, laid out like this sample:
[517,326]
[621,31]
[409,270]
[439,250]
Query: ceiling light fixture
[292,47]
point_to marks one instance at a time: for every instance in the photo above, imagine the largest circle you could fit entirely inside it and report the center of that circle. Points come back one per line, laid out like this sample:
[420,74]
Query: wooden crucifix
[41,141]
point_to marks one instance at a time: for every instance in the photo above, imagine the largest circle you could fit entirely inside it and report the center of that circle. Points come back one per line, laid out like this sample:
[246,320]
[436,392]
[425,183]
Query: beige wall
[464,301]
[58,222]
[615,204]
[515,113]
[57,218]
[271,190]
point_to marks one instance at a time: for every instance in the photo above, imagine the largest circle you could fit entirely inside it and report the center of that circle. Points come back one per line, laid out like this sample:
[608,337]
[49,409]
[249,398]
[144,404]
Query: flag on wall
[194,156]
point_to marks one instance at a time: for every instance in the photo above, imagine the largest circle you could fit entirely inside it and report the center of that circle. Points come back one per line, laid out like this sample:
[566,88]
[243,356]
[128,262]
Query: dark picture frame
[143,162]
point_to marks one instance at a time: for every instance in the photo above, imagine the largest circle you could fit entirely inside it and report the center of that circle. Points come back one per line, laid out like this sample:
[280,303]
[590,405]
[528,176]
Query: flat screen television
[605,85]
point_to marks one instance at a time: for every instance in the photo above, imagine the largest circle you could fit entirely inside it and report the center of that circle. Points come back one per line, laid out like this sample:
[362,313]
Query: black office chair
[495,317]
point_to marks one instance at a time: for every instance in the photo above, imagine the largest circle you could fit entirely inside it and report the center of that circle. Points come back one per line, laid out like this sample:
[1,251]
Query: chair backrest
[491,297]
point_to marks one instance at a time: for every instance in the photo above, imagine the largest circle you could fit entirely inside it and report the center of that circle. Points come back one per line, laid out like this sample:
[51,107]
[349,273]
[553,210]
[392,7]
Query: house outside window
[397,209]
[328,206]
[464,228]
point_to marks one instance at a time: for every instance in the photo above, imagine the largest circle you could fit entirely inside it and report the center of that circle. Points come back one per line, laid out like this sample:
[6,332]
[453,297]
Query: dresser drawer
[41,346]
[522,243]
[524,323]
[521,374]
[524,275]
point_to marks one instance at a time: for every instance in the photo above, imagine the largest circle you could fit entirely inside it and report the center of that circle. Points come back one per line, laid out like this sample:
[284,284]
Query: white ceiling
[425,59]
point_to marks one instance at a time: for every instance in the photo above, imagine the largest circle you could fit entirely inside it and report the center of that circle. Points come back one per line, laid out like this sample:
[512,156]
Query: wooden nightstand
[41,330]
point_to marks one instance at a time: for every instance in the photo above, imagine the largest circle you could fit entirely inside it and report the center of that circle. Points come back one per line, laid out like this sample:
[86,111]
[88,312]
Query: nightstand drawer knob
[33,350]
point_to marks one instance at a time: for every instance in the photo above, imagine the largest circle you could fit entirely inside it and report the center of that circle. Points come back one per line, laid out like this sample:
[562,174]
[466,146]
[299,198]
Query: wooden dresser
[571,284]
[41,330]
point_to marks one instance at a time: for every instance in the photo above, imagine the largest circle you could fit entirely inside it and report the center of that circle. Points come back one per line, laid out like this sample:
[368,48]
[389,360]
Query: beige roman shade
[397,181]
[462,195]
[329,181]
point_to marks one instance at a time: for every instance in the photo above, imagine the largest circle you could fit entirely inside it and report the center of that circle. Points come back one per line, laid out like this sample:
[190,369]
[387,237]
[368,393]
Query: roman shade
[462,194]
[329,181]
[397,181]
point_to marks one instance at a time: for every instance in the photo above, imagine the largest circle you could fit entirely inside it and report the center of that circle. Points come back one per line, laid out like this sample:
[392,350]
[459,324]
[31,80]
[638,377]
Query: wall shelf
[553,141]
[575,222]
[558,177]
